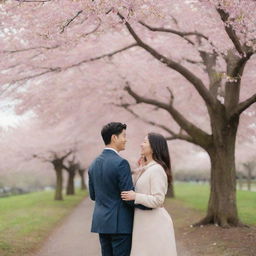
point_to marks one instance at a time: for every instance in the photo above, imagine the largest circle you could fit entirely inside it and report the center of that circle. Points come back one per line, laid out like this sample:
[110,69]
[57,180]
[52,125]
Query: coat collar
[149,164]
[144,168]
[110,150]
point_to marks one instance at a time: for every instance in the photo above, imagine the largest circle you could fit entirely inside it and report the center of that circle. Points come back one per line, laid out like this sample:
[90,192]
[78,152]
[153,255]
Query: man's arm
[125,178]
[91,186]
[125,183]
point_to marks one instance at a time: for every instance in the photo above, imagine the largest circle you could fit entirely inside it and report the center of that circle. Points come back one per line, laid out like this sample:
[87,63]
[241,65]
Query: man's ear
[113,138]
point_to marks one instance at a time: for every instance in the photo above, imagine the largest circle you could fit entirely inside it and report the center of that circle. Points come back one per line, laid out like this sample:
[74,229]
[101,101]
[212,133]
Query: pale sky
[8,117]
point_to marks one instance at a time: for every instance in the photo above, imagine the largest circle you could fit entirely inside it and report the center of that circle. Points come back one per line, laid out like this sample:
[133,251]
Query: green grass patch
[25,220]
[197,196]
[246,202]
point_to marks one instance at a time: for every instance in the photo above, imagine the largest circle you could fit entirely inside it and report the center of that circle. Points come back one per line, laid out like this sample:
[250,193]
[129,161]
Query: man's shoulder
[119,160]
[98,158]
[111,154]
[108,155]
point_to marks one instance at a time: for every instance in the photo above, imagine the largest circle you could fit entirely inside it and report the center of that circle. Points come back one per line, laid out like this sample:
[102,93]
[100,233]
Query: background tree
[224,108]
[249,166]
[81,172]
[71,169]
[58,163]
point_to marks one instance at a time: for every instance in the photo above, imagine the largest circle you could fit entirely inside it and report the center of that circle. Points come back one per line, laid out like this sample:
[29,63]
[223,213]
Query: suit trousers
[115,244]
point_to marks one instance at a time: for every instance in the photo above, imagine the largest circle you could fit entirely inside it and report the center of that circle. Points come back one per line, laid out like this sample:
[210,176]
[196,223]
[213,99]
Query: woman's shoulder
[157,169]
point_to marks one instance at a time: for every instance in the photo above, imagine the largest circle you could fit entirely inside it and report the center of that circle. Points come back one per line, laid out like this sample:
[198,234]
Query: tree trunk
[222,207]
[83,185]
[249,178]
[240,180]
[70,185]
[59,182]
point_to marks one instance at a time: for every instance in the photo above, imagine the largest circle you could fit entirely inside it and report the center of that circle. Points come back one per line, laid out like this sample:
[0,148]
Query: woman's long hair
[161,153]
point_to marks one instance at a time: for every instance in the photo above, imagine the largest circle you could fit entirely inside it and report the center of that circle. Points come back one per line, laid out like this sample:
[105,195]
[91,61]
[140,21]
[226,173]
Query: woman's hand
[142,161]
[128,195]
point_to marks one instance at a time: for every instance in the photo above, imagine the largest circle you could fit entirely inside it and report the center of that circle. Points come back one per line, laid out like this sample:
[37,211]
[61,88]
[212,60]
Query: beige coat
[153,232]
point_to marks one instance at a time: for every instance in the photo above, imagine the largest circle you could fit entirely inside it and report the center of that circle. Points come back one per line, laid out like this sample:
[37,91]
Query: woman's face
[145,148]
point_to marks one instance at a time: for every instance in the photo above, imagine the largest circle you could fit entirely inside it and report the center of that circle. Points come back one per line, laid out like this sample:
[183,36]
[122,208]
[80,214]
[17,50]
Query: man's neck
[112,147]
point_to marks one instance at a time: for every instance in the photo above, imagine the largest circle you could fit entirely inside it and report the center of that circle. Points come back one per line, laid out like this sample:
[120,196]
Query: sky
[8,117]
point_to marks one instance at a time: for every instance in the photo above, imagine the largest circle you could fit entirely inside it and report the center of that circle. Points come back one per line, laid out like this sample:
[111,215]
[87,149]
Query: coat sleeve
[91,186]
[124,176]
[126,184]
[158,189]
[125,179]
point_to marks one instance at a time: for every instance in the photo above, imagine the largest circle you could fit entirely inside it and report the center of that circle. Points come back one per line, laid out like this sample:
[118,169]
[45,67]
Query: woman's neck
[149,159]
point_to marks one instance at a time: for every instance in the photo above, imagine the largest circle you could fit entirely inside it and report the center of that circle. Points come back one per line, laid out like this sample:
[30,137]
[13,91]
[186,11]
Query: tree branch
[50,70]
[171,95]
[60,69]
[33,1]
[56,69]
[192,78]
[230,31]
[70,20]
[94,30]
[174,135]
[194,61]
[101,56]
[65,167]
[67,154]
[179,33]
[140,99]
[243,106]
[29,49]
[175,32]
[199,136]
[41,158]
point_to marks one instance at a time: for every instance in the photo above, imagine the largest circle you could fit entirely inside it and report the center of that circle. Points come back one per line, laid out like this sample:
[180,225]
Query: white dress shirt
[112,150]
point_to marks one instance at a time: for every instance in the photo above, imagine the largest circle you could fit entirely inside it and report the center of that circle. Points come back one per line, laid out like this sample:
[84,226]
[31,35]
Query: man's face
[120,140]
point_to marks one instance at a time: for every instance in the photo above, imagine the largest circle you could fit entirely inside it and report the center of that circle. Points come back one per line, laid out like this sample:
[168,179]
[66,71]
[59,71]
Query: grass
[26,220]
[197,195]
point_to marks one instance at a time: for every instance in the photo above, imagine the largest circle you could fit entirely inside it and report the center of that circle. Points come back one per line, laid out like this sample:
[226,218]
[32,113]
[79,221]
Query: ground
[209,240]
[73,236]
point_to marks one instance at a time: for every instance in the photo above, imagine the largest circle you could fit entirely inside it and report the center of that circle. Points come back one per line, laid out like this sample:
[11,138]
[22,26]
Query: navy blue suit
[109,174]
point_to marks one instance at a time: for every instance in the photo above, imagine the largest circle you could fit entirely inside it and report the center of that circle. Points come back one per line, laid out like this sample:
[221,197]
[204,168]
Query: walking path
[73,237]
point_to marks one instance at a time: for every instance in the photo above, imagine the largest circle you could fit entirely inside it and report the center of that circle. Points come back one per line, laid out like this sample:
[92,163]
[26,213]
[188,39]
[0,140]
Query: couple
[131,222]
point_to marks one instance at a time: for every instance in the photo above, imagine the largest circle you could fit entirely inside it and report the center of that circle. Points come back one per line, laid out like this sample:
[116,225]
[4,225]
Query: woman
[153,232]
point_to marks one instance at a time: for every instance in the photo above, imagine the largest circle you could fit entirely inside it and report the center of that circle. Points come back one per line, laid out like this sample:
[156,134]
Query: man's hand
[128,195]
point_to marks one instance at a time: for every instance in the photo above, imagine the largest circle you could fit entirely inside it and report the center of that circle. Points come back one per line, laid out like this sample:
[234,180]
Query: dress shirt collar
[111,149]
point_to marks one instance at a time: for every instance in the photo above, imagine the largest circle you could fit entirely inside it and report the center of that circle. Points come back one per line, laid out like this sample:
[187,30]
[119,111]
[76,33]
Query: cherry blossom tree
[58,163]
[224,108]
[71,168]
[205,57]
[81,172]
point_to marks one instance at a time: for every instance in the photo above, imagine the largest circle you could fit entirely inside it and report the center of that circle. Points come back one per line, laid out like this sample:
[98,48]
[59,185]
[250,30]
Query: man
[109,175]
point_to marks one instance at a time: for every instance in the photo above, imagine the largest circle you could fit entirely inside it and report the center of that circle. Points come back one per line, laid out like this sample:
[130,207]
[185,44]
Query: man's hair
[111,128]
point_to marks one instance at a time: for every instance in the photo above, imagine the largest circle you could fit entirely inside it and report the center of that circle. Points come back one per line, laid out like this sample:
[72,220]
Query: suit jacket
[109,174]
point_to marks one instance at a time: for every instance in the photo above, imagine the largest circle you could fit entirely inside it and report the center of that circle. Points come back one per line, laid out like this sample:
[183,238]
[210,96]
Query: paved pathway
[73,237]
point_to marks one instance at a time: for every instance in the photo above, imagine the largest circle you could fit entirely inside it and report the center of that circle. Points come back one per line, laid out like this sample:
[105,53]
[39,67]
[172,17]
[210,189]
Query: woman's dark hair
[111,128]
[161,155]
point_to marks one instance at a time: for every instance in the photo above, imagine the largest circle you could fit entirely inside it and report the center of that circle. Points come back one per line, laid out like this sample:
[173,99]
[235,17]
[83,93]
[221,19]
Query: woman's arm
[158,189]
